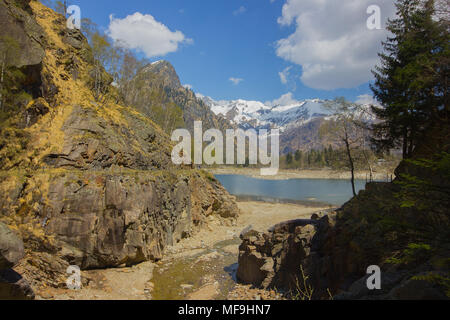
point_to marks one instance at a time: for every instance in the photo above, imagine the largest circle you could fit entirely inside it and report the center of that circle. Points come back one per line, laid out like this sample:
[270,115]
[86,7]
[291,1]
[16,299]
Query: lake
[329,191]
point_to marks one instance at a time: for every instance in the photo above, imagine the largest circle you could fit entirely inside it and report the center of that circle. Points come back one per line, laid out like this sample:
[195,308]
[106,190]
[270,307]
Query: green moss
[413,254]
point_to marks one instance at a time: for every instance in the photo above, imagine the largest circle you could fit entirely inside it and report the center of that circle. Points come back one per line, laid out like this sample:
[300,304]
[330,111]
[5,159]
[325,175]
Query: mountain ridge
[299,122]
[159,81]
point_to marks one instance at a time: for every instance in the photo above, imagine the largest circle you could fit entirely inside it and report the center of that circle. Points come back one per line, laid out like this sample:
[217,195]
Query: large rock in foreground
[11,248]
[98,220]
[275,259]
[12,285]
[331,255]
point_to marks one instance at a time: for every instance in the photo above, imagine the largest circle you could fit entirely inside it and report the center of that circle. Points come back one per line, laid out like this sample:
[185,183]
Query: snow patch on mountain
[259,115]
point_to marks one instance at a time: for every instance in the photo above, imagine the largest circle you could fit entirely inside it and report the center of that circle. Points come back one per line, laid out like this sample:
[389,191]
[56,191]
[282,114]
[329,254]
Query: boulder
[275,259]
[12,285]
[11,248]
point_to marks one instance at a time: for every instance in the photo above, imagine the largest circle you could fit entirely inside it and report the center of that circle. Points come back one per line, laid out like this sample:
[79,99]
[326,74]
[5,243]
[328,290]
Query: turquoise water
[329,191]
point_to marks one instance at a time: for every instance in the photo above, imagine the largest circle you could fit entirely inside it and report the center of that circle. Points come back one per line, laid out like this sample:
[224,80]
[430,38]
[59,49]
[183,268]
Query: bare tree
[102,53]
[343,129]
[363,135]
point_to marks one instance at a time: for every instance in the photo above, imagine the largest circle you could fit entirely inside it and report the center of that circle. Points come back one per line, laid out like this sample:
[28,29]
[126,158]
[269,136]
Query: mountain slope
[156,91]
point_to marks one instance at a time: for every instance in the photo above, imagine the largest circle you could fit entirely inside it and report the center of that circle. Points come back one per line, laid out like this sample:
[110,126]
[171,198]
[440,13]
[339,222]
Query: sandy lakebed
[202,267]
[384,175]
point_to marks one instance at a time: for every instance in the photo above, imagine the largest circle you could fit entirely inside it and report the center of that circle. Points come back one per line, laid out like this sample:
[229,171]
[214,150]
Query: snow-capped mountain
[258,115]
[299,122]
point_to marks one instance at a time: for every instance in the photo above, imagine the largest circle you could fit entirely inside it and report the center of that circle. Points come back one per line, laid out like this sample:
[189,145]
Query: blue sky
[213,41]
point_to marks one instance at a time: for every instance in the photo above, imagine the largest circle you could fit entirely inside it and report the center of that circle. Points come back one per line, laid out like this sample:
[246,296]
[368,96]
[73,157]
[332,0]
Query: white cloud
[142,32]
[284,100]
[236,81]
[332,42]
[284,75]
[239,11]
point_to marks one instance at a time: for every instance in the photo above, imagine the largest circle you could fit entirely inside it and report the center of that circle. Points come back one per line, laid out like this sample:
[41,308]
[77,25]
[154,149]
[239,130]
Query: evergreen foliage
[412,80]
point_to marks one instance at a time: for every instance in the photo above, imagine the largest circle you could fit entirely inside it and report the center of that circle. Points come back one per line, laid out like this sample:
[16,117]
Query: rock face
[16,22]
[106,220]
[93,143]
[210,198]
[165,73]
[86,182]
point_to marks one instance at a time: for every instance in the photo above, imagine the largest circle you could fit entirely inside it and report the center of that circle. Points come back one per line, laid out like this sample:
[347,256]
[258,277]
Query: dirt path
[202,267]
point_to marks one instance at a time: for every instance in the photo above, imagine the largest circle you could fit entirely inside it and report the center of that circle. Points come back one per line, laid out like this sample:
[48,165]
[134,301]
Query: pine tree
[411,82]
[289,158]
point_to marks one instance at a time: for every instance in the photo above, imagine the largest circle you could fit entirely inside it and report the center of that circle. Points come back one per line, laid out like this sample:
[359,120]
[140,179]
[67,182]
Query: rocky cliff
[84,182]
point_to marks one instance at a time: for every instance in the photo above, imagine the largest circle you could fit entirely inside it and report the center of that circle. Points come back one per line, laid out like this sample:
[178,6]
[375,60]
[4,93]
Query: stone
[248,233]
[11,248]
[249,270]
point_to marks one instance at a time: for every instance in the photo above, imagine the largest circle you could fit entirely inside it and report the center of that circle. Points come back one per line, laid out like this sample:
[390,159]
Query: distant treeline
[336,159]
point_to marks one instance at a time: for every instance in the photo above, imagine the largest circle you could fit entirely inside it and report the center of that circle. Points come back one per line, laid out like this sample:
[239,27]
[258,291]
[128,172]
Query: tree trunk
[350,160]
[411,146]
[405,144]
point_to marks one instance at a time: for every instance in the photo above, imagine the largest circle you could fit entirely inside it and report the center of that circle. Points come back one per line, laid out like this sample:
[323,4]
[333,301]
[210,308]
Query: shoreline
[269,200]
[323,174]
